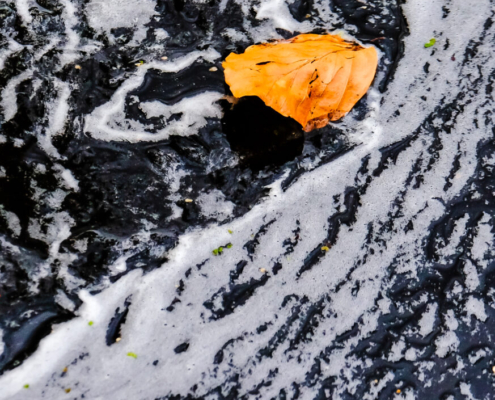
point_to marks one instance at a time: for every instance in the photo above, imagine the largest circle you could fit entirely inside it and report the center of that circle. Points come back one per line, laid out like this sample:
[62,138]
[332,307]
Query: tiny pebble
[263,270]
[65,370]
[118,340]
[188,200]
[67,390]
[213,69]
[493,369]
[77,67]
[164,58]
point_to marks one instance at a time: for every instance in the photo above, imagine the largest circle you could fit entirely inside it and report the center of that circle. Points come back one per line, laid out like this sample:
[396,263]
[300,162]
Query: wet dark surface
[122,192]
[113,175]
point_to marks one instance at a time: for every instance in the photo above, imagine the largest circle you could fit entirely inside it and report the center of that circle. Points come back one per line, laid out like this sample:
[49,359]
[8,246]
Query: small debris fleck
[431,42]
[90,323]
[77,67]
[139,63]
[188,200]
[230,231]
[65,370]
[181,348]
[493,369]
[308,15]
[118,339]
[263,270]
[376,381]
[67,390]
[164,58]
[325,248]
[218,251]
[131,354]
[213,69]
[26,386]
[398,391]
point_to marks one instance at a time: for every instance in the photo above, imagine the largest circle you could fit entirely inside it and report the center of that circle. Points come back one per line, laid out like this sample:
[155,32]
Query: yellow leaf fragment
[311,78]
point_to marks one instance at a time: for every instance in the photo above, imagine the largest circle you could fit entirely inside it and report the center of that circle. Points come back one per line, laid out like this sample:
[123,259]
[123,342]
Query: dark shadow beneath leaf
[260,135]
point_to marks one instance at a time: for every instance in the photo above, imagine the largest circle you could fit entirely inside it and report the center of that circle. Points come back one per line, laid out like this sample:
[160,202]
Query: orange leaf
[311,78]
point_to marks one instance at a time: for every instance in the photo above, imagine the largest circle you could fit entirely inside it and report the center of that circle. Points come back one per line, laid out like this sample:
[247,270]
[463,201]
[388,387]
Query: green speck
[26,386]
[90,323]
[430,43]
[230,231]
[133,355]
[219,251]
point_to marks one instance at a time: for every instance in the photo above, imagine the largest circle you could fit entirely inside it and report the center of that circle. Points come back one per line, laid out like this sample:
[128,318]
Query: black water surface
[238,155]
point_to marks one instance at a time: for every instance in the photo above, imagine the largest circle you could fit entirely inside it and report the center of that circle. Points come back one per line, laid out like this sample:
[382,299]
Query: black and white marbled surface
[123,166]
